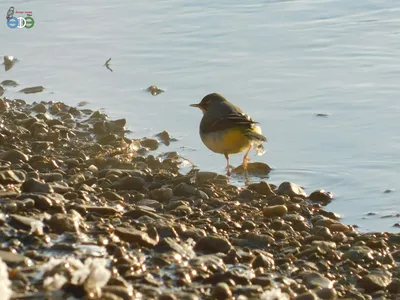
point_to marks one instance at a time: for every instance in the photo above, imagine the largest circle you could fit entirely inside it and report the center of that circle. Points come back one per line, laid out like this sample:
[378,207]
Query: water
[281,61]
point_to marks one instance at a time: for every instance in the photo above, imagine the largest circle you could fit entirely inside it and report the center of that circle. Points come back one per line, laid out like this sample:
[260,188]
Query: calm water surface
[281,61]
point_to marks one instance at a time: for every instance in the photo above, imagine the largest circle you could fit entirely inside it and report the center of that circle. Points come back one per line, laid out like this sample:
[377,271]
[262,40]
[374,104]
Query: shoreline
[72,185]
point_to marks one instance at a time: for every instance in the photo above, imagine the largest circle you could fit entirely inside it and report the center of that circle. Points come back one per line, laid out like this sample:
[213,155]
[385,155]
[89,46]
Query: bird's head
[209,101]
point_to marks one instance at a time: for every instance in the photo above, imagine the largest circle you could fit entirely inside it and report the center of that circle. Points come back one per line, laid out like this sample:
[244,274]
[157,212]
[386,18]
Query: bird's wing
[235,120]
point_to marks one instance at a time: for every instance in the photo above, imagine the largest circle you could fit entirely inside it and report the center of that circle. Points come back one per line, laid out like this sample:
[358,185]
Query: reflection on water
[281,61]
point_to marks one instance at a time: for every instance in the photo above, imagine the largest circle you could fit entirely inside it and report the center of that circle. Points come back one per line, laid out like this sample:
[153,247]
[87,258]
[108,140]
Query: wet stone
[12,177]
[161,194]
[40,108]
[184,189]
[14,156]
[32,90]
[130,183]
[212,244]
[22,222]
[12,259]
[112,196]
[291,189]
[32,185]
[275,211]
[256,169]
[326,293]
[359,253]
[307,296]
[321,196]
[9,82]
[221,291]
[151,144]
[60,223]
[164,137]
[316,280]
[375,280]
[264,261]
[262,188]
[154,90]
[132,235]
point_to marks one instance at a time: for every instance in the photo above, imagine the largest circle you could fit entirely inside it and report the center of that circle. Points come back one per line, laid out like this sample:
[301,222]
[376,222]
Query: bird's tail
[254,136]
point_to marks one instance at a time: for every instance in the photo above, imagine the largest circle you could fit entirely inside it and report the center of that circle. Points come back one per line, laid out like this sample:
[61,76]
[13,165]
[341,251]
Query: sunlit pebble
[177,257]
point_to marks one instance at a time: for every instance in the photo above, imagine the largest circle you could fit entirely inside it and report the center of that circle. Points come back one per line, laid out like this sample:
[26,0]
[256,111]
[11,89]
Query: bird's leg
[245,158]
[228,172]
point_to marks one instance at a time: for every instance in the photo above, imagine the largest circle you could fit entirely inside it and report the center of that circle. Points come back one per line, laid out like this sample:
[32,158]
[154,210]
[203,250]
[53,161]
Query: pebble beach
[88,213]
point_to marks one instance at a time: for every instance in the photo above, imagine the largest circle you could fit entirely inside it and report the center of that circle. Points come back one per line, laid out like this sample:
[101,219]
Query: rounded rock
[221,291]
[275,211]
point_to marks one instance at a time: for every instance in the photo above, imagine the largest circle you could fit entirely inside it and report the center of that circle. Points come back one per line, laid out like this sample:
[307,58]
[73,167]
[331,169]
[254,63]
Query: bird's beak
[195,105]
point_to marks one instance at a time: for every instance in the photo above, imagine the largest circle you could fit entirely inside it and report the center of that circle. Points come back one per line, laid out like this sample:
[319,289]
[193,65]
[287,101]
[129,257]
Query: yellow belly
[230,141]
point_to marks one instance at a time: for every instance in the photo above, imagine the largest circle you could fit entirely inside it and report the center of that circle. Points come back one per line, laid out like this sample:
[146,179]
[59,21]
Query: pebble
[291,189]
[14,156]
[139,237]
[375,280]
[212,244]
[184,189]
[275,211]
[32,185]
[221,291]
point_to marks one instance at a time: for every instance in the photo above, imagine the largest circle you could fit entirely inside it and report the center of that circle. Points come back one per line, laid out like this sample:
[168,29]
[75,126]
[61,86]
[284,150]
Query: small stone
[394,286]
[22,222]
[121,292]
[61,223]
[256,169]
[9,62]
[291,189]
[315,280]
[12,177]
[212,244]
[161,194]
[253,240]
[275,211]
[14,156]
[164,137]
[154,90]
[12,259]
[359,253]
[150,144]
[40,108]
[375,280]
[132,235]
[307,296]
[264,261]
[262,188]
[221,291]
[111,196]
[249,225]
[184,189]
[321,196]
[326,293]
[32,90]
[32,185]
[9,83]
[338,227]
[130,183]
[51,177]
[101,210]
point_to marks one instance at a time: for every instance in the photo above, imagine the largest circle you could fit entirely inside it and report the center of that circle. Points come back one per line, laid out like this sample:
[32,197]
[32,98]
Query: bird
[226,129]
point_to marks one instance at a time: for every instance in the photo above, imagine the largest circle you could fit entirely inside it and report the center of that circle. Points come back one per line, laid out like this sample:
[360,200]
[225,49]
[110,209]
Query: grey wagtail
[226,129]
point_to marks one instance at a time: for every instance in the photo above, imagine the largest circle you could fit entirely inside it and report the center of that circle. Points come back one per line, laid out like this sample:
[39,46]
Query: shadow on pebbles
[87,213]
